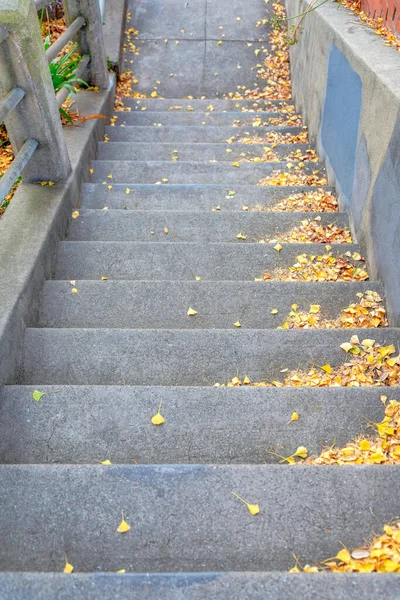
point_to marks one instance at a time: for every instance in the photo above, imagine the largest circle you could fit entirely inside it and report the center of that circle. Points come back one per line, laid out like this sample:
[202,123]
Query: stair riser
[178,105]
[193,119]
[177,262]
[206,425]
[186,173]
[159,305]
[178,357]
[186,197]
[186,518]
[191,134]
[133,226]
[191,152]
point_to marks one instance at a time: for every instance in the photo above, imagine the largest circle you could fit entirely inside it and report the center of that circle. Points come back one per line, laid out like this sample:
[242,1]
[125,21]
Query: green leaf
[36,395]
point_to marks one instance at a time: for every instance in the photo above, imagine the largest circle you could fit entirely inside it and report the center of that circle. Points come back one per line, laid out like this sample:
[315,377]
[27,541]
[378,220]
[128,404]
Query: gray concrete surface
[179,357]
[199,586]
[82,424]
[164,261]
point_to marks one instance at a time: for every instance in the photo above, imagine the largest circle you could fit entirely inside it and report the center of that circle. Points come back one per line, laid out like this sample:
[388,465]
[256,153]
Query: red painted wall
[388,10]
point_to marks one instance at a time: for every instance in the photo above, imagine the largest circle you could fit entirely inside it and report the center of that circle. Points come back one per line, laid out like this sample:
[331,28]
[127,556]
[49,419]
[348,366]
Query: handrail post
[91,38]
[23,63]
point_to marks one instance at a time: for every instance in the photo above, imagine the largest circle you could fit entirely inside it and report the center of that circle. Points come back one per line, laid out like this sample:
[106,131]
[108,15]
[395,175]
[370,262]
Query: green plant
[292,37]
[63,72]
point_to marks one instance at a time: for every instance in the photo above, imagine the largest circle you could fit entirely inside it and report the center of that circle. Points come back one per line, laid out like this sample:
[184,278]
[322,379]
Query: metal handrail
[63,40]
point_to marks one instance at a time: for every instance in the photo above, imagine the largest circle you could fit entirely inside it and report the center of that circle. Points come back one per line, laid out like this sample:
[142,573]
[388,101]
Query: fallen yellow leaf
[123,527]
[254,509]
[158,419]
[278,247]
[294,417]
[237,324]
[68,567]
[75,214]
[191,312]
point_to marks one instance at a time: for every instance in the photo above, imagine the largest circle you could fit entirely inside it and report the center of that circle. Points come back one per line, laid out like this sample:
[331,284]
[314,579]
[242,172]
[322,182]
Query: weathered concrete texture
[191,134]
[164,118]
[199,586]
[186,197]
[114,20]
[185,517]
[188,172]
[189,152]
[42,214]
[179,357]
[144,226]
[158,305]
[232,425]
[370,190]
[203,105]
[141,260]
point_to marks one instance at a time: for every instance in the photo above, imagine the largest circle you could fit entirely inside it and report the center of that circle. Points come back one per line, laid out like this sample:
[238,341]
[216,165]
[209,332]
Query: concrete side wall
[346,82]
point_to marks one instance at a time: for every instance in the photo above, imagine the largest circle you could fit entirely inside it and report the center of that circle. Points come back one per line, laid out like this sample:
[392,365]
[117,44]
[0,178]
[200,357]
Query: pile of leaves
[297,176]
[325,267]
[367,312]
[382,555]
[383,448]
[367,364]
[311,231]
[275,137]
[318,201]
[303,156]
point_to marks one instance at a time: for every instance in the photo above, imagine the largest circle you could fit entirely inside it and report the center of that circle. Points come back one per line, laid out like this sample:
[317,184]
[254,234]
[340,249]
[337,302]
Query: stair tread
[185,517]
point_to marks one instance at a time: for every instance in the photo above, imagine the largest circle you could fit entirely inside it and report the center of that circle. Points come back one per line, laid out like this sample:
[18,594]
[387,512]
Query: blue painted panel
[341,118]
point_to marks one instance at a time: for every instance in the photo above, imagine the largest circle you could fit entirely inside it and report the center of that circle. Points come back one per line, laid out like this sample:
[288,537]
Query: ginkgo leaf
[315,308]
[121,571]
[158,419]
[74,291]
[106,462]
[246,381]
[109,187]
[217,208]
[253,509]
[278,247]
[197,278]
[346,346]
[235,164]
[274,311]
[166,230]
[123,527]
[245,207]
[68,567]
[127,191]
[91,171]
[327,368]
[75,214]
[294,417]
[109,176]
[191,312]
[301,452]
[237,324]
[241,236]
[104,278]
[344,555]
[36,395]
[365,445]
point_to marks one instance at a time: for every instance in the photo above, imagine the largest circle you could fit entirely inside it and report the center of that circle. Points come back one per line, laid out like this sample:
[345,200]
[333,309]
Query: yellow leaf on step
[231,193]
[241,236]
[294,417]
[109,187]
[91,171]
[301,452]
[278,247]
[104,278]
[237,324]
[235,164]
[191,312]
[74,291]
[220,43]
[253,509]
[197,278]
[245,207]
[346,346]
[246,380]
[274,311]
[121,571]
[327,368]
[68,567]
[315,308]
[127,191]
[123,527]
[344,555]
[217,207]
[365,445]
[158,419]
[166,229]
[75,214]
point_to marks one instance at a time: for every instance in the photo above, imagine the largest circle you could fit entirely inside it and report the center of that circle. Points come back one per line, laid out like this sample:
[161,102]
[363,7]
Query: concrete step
[180,357]
[187,196]
[191,152]
[166,261]
[219,586]
[187,172]
[82,424]
[184,226]
[183,134]
[193,119]
[163,304]
[185,518]
[206,105]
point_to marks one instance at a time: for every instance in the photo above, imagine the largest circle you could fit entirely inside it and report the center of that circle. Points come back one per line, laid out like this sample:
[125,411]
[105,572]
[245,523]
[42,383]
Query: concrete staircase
[108,355]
